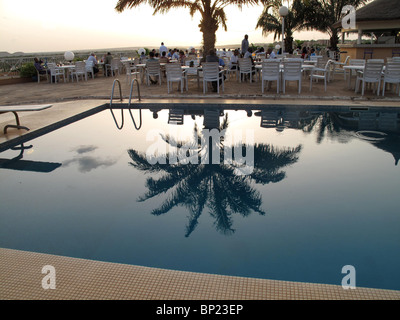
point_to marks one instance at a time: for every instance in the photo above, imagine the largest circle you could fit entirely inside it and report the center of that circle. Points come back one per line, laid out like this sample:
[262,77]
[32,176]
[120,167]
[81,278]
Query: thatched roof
[379,10]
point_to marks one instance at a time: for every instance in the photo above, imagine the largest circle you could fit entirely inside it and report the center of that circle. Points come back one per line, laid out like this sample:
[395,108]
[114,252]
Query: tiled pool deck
[79,279]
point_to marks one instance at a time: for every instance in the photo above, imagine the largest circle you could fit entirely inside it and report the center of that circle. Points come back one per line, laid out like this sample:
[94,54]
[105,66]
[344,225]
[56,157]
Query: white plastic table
[352,68]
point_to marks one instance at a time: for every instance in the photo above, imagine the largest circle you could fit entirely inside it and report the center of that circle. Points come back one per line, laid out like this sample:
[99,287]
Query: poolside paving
[80,279]
[86,279]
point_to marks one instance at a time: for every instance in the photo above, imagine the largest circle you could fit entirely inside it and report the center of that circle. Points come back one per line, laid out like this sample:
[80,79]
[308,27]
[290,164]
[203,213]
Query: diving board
[21,108]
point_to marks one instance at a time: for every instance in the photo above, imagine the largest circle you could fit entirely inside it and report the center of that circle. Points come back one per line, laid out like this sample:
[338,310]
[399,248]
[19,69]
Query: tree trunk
[208,26]
[334,40]
[288,41]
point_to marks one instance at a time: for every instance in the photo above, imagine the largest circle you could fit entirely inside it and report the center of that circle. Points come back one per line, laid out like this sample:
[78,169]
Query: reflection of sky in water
[335,205]
[87,163]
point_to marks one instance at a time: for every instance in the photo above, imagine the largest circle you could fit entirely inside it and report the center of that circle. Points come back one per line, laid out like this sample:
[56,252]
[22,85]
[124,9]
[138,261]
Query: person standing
[163,48]
[245,44]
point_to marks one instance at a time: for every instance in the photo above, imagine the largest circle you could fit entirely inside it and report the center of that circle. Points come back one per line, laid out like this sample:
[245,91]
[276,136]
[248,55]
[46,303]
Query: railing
[140,110]
[11,65]
[137,127]
[111,99]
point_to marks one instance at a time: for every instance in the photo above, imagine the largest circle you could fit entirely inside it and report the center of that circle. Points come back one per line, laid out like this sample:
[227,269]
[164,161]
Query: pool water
[323,193]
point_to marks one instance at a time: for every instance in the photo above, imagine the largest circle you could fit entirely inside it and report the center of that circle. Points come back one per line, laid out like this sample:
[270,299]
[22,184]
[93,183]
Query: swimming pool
[322,193]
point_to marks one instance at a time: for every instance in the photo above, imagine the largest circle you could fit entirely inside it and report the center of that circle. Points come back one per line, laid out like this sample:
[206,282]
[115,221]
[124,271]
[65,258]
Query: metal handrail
[111,99]
[129,103]
[138,89]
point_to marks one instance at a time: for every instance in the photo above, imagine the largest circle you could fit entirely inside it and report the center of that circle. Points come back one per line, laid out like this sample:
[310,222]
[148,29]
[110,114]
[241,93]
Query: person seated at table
[259,52]
[175,54]
[142,56]
[39,67]
[92,58]
[271,53]
[312,52]
[107,61]
[249,55]
[169,54]
[152,58]
[192,54]
[182,58]
[234,62]
[304,53]
[164,58]
[212,57]
[221,61]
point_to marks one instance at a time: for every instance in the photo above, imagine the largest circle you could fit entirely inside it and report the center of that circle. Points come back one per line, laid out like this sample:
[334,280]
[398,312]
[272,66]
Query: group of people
[165,55]
[305,52]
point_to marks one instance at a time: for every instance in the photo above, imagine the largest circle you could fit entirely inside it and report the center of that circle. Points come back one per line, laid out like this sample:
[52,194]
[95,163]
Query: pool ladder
[129,104]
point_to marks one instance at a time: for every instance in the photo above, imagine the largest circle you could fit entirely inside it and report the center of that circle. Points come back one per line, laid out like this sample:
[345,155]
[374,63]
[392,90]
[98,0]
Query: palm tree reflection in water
[215,186]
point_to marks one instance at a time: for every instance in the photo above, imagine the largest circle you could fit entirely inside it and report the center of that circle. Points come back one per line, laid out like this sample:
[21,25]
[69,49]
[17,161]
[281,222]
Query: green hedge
[27,70]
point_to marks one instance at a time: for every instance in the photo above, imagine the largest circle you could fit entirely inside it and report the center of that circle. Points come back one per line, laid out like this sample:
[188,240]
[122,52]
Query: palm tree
[270,21]
[321,15]
[212,13]
[216,186]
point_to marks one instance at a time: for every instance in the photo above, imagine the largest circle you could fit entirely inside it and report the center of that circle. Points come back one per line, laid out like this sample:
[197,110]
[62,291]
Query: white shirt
[234,60]
[163,48]
[247,54]
[272,55]
[92,58]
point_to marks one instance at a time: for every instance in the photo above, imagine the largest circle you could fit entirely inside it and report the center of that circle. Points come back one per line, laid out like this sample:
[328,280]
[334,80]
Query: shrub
[27,70]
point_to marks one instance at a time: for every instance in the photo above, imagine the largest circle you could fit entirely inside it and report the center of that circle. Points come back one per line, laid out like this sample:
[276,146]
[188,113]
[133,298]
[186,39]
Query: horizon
[48,26]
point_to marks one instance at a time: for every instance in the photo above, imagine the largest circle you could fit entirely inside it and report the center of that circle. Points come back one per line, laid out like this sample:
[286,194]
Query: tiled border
[80,279]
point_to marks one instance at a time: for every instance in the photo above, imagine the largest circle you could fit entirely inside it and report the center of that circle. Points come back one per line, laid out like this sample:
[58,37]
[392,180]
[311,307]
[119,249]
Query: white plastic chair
[340,66]
[130,71]
[212,73]
[55,73]
[42,75]
[113,67]
[153,69]
[372,74]
[245,67]
[79,70]
[291,72]
[391,75]
[175,74]
[89,68]
[320,74]
[270,72]
[355,62]
[192,71]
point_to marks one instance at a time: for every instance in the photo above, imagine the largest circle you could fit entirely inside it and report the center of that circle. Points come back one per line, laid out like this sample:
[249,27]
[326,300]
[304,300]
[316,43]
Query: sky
[54,25]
